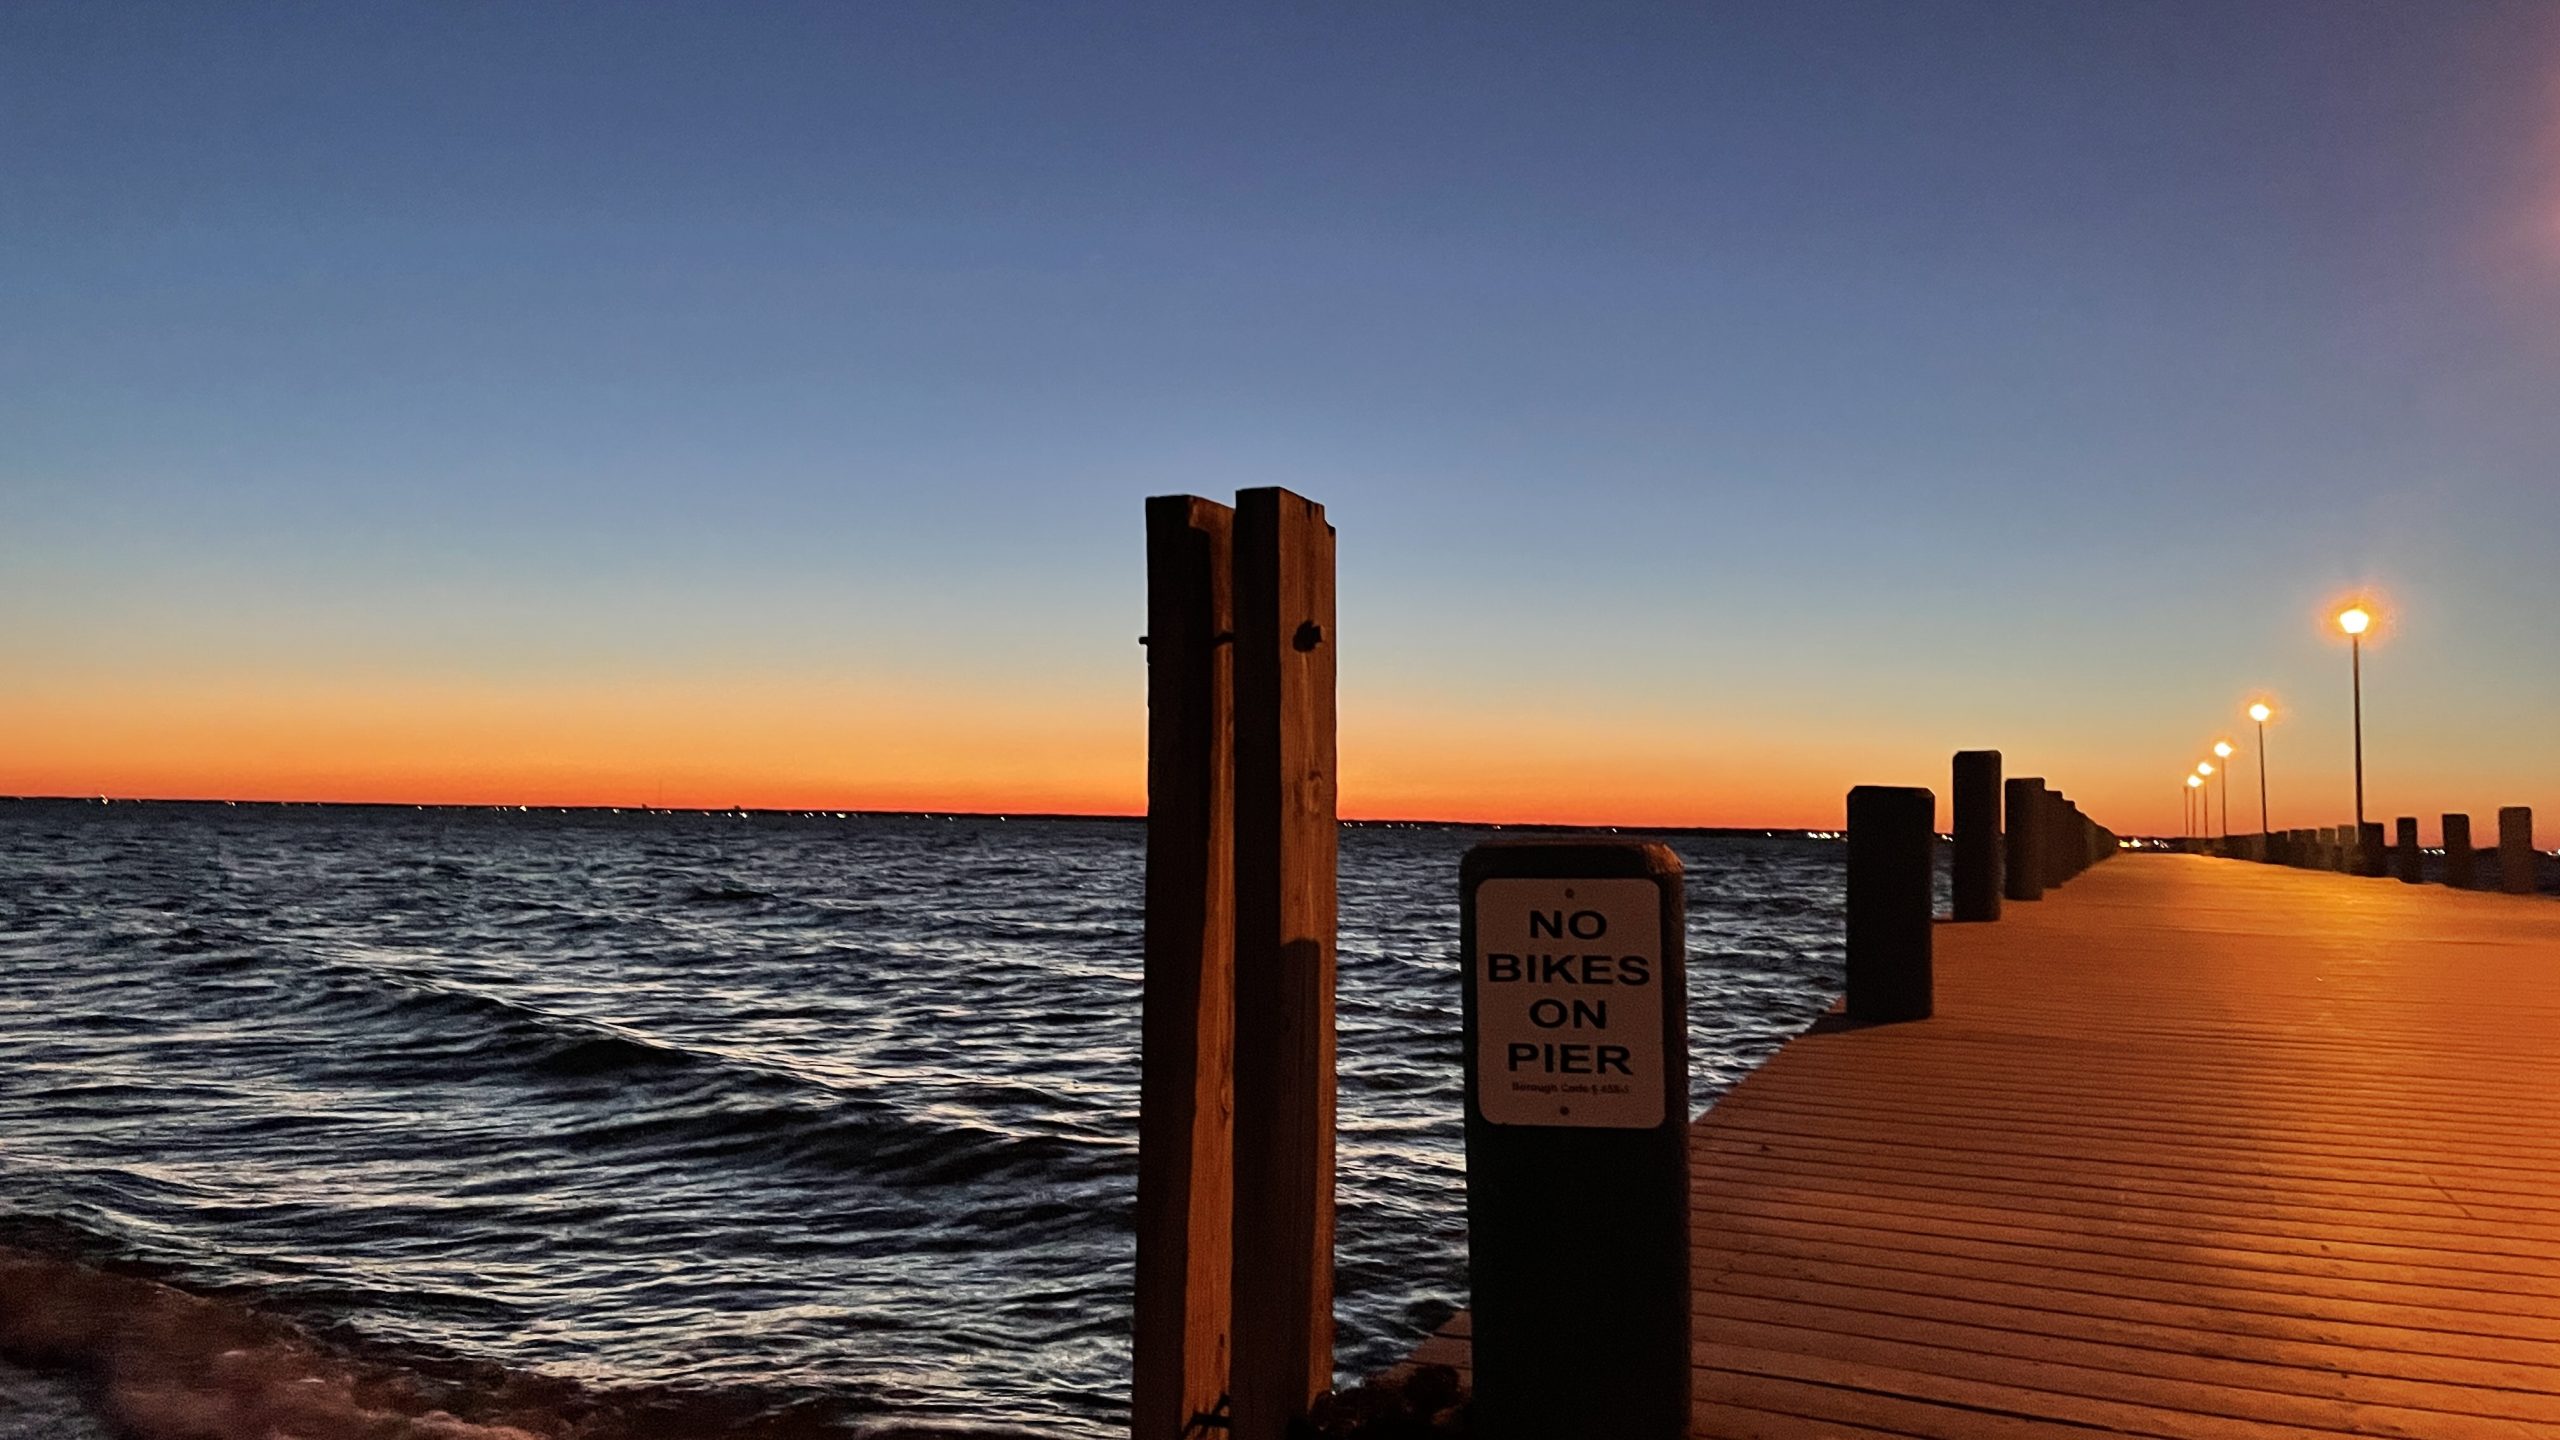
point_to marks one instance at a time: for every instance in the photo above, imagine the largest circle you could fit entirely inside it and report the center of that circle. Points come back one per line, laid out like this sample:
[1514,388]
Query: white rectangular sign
[1569,1003]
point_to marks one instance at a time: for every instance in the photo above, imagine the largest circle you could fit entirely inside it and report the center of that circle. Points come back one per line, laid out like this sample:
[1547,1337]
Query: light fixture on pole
[2261,712]
[2355,620]
[2222,752]
[2195,782]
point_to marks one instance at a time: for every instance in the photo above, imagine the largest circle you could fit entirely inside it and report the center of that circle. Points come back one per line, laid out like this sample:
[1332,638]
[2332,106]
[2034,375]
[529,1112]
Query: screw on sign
[1577,1085]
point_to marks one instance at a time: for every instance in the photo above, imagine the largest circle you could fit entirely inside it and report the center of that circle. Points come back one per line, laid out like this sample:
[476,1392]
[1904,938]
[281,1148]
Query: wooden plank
[1186,1075]
[2292,1384]
[2385,1335]
[2443,1225]
[1286,833]
[2160,1340]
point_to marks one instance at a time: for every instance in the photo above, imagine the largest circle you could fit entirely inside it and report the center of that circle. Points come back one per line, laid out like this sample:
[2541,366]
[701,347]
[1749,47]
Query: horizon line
[847,812]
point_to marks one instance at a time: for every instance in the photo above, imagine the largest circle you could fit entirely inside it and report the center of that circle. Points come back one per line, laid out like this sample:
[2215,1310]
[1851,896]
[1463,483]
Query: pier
[2193,1147]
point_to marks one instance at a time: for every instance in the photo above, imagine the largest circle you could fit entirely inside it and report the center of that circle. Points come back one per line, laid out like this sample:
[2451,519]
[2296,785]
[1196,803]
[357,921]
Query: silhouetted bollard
[2515,849]
[2412,867]
[2372,858]
[1892,861]
[2023,801]
[1976,803]
[2457,851]
[2050,839]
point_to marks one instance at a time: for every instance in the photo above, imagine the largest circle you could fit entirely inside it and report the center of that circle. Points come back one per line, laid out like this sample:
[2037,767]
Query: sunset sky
[1720,405]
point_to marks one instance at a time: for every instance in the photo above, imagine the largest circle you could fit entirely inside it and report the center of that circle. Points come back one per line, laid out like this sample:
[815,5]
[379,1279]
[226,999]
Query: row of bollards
[2013,839]
[2361,850]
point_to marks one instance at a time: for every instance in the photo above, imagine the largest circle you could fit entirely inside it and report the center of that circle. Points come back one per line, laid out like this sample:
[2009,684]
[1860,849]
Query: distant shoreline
[1718,832]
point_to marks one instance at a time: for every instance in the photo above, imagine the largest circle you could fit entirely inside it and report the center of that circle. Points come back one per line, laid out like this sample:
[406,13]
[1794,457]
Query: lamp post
[2222,752]
[2259,712]
[2204,800]
[2195,783]
[2354,620]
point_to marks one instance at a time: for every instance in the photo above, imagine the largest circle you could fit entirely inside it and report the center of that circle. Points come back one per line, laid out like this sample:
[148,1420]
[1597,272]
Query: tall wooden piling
[2457,851]
[1892,865]
[1286,838]
[1179,1350]
[2023,804]
[1975,801]
[2405,854]
[2515,849]
[2372,855]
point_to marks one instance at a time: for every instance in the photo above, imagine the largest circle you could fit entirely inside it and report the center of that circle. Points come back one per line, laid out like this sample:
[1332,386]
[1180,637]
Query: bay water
[832,1116]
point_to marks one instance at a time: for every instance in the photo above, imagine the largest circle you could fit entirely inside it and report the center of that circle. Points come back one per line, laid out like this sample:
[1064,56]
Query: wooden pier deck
[2192,1148]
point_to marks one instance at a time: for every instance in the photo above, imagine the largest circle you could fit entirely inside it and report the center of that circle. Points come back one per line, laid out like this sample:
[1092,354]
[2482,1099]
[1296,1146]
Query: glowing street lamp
[2262,712]
[2355,620]
[2222,752]
[2194,782]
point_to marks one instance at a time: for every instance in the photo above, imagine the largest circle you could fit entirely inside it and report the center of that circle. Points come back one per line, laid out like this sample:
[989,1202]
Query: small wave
[852,1136]
[610,1055]
[722,892]
[538,1040]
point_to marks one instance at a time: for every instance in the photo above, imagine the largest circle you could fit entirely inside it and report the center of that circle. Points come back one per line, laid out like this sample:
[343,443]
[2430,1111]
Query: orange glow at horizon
[796,744]
[759,744]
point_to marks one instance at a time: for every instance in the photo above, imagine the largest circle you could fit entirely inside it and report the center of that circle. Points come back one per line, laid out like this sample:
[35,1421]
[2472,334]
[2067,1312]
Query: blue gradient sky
[1720,405]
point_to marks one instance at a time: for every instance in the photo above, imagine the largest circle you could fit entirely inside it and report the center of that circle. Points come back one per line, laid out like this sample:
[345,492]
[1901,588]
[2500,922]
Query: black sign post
[1577,1113]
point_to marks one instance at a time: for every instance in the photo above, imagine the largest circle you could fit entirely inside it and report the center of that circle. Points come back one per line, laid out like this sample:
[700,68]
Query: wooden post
[1179,1350]
[1976,804]
[2457,851]
[2024,802]
[1577,1182]
[1286,837]
[2372,858]
[1893,841]
[2515,849]
[2052,840]
[2411,863]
